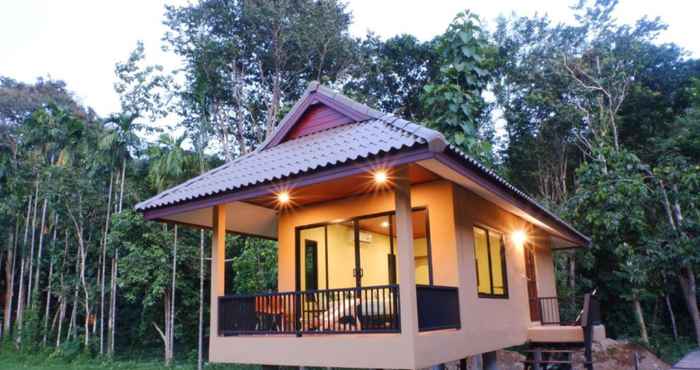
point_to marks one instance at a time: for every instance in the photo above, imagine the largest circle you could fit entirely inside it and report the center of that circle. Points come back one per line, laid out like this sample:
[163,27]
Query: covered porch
[359,257]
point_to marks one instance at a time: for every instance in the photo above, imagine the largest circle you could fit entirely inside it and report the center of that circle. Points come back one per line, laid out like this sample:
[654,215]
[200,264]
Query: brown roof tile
[381,133]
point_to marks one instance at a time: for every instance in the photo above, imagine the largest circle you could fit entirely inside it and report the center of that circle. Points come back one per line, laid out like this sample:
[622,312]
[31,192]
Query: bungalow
[395,249]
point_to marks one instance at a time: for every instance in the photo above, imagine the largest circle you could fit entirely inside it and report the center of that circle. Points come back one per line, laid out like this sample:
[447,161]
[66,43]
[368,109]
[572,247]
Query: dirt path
[690,361]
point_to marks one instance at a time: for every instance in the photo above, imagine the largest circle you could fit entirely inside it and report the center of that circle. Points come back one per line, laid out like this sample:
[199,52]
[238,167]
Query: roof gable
[318,109]
[317,117]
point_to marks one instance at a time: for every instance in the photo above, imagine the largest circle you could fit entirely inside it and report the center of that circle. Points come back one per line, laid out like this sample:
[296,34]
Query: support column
[490,362]
[406,262]
[218,249]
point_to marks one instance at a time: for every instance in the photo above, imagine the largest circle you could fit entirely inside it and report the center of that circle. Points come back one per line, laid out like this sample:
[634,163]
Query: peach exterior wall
[487,324]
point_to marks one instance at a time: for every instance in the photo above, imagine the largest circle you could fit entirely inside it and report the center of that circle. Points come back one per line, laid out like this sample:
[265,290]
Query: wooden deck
[690,361]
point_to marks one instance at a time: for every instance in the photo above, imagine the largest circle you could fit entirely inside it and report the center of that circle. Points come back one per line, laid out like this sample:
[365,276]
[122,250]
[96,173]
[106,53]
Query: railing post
[297,313]
[587,323]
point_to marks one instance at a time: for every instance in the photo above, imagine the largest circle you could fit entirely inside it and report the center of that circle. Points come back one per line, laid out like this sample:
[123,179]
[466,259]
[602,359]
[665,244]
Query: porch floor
[562,334]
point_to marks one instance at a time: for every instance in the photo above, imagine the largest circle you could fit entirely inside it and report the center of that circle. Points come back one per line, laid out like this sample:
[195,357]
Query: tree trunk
[572,278]
[35,292]
[103,261]
[640,319]
[48,291]
[31,249]
[61,317]
[73,326]
[48,305]
[121,185]
[672,316]
[9,282]
[63,299]
[200,333]
[687,281]
[20,295]
[20,303]
[83,281]
[171,331]
[111,324]
[165,336]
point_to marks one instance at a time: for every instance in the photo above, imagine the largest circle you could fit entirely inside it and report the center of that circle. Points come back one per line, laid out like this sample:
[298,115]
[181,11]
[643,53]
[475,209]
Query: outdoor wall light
[283,197]
[380,176]
[519,237]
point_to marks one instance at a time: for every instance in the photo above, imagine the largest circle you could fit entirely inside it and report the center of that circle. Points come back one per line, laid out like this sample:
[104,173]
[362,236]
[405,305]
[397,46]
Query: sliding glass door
[359,252]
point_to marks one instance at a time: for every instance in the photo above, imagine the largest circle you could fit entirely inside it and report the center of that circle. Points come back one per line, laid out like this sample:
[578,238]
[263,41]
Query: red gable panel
[316,118]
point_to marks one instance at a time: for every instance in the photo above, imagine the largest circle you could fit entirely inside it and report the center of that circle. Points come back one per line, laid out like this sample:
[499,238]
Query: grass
[46,361]
[669,350]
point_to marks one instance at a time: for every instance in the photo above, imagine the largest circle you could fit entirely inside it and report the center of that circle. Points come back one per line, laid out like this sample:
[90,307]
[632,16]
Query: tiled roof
[380,133]
[315,151]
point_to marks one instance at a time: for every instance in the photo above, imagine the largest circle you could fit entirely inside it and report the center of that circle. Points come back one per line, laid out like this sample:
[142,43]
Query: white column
[218,249]
[406,262]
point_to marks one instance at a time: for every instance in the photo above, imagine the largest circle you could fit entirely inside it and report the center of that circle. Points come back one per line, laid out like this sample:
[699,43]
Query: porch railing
[438,307]
[549,310]
[372,309]
[553,311]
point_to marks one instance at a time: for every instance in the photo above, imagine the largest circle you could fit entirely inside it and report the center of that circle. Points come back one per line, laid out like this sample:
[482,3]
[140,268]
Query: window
[489,252]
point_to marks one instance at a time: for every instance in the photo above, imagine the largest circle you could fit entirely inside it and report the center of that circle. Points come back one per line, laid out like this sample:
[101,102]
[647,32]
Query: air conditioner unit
[365,237]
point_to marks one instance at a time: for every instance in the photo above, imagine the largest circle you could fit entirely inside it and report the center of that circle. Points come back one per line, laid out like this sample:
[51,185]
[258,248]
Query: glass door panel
[375,249]
[312,258]
[341,255]
[421,245]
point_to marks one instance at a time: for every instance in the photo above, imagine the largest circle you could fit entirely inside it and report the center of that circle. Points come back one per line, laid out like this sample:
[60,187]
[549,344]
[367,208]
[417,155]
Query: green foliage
[255,266]
[454,102]
[390,75]
[45,360]
[670,350]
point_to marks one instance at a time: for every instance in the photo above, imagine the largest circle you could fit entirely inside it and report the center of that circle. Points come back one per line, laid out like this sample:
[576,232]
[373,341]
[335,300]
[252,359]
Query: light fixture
[385,224]
[283,197]
[380,176]
[519,237]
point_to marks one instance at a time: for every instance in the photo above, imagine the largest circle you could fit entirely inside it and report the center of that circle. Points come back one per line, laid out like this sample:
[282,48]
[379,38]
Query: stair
[550,358]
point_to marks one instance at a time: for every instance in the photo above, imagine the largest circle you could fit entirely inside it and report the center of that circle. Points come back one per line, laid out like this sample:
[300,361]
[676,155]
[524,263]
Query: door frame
[356,229]
[531,282]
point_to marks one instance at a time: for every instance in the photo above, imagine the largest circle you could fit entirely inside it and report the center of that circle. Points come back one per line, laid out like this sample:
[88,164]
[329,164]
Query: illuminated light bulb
[385,224]
[519,237]
[380,176]
[283,197]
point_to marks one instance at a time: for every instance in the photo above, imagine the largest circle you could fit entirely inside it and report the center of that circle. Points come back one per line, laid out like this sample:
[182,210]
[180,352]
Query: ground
[608,354]
[10,360]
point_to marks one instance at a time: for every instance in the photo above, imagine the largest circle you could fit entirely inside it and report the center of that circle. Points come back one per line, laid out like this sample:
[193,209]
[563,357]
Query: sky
[79,41]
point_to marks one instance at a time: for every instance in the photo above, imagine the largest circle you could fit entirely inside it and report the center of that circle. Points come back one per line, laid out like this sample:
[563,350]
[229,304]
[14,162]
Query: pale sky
[79,41]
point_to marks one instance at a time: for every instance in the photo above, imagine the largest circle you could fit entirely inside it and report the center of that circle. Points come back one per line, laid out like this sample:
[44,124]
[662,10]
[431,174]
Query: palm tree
[118,145]
[168,167]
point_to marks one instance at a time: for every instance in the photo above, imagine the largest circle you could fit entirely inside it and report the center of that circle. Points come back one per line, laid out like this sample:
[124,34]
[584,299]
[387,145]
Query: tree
[168,168]
[454,101]
[246,59]
[391,75]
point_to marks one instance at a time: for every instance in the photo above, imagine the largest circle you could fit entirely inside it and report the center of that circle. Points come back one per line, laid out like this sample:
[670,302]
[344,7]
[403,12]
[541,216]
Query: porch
[366,310]
[569,325]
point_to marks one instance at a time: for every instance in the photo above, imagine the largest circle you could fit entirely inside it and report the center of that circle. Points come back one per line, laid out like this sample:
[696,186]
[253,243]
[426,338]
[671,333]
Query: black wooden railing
[372,309]
[438,307]
[549,310]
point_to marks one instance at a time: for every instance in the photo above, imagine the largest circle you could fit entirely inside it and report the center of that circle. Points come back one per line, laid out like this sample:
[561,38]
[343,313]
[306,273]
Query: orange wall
[487,323]
[435,196]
